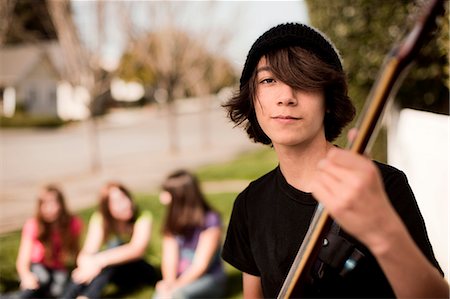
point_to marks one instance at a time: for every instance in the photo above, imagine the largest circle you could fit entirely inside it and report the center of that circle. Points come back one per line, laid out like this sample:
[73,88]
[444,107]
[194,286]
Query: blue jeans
[51,283]
[207,286]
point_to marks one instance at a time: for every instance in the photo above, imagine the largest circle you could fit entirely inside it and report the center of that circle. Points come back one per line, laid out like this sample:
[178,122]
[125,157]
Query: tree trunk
[173,127]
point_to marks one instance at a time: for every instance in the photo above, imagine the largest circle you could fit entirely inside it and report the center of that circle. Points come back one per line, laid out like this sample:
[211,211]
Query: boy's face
[288,117]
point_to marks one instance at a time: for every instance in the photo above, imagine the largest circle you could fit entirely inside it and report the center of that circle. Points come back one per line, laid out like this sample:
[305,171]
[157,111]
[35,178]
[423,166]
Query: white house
[33,76]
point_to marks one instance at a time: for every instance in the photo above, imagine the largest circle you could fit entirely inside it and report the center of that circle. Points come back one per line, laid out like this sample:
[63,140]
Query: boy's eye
[267,80]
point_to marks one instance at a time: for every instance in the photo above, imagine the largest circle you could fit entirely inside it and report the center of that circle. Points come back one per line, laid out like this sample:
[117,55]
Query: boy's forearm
[410,274]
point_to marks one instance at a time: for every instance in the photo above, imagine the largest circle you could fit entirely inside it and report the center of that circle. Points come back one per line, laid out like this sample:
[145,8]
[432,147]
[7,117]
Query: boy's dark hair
[303,58]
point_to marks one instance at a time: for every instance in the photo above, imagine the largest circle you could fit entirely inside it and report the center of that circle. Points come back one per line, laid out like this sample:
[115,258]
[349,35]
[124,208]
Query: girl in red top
[49,243]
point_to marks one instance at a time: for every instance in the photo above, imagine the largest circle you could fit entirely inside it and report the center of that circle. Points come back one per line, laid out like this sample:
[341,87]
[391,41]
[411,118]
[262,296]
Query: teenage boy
[293,96]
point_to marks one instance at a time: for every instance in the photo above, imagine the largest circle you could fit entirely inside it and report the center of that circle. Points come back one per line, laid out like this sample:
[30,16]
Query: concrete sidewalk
[134,149]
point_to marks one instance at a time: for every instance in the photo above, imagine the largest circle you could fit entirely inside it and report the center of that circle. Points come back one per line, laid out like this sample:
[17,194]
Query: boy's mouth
[287,117]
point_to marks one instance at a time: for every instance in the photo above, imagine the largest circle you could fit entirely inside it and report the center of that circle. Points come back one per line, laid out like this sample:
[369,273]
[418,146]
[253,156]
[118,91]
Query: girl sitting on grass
[191,265]
[116,241]
[48,246]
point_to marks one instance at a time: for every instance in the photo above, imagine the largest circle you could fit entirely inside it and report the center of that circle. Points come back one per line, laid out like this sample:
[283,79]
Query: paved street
[133,146]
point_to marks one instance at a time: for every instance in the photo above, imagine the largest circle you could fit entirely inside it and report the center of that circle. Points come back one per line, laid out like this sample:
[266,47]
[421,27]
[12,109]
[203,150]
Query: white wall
[9,101]
[72,102]
[418,144]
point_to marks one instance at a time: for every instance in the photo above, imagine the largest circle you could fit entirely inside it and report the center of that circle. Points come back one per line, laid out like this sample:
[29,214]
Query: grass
[21,120]
[247,166]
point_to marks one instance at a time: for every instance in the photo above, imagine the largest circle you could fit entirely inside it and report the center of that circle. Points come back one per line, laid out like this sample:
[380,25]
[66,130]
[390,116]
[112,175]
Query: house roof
[17,61]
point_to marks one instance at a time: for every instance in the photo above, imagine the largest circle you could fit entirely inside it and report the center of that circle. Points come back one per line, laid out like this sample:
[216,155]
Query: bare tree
[6,13]
[179,61]
[83,68]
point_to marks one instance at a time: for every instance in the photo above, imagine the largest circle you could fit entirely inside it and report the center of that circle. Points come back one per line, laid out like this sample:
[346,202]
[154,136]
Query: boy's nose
[287,96]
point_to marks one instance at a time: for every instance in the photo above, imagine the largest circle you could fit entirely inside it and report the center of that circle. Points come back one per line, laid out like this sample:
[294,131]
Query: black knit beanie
[288,35]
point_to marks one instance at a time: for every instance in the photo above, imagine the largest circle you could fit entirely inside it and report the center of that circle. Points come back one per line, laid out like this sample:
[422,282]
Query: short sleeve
[212,219]
[145,215]
[237,249]
[76,225]
[96,218]
[404,202]
[30,229]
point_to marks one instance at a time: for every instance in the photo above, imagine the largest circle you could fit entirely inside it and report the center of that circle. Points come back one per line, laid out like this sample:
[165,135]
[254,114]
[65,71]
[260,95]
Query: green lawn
[247,166]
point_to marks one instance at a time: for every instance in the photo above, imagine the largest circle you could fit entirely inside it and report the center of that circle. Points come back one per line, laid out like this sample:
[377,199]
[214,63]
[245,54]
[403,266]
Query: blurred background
[92,91]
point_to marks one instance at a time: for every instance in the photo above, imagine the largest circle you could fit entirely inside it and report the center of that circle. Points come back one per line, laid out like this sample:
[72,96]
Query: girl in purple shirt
[191,265]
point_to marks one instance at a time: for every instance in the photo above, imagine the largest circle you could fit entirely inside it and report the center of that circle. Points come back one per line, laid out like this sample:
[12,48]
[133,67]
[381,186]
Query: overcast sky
[243,21]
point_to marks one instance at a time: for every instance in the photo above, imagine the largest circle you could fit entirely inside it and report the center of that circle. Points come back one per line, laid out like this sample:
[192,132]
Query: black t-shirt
[270,219]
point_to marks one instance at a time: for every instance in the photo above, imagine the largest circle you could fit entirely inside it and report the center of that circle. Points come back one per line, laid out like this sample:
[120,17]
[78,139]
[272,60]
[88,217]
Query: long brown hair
[110,224]
[70,245]
[301,70]
[187,209]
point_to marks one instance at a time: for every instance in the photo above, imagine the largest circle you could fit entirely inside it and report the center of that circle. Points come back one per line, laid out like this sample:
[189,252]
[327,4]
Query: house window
[52,94]
[31,94]
[31,98]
